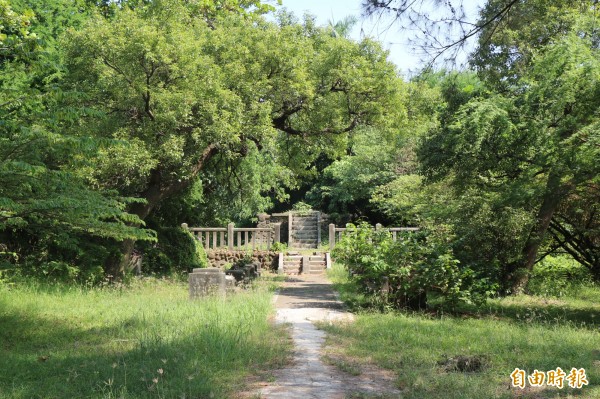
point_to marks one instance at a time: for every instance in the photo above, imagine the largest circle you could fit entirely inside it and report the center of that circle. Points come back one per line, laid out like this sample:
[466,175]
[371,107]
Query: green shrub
[59,258]
[302,208]
[279,247]
[176,250]
[416,271]
[558,276]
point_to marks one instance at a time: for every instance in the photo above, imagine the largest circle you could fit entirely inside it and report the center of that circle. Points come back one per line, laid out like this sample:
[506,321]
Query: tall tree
[506,48]
[179,90]
[535,146]
[41,197]
[512,39]
[343,27]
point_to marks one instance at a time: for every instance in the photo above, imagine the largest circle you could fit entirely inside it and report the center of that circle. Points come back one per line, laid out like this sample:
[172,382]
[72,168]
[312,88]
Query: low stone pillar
[229,284]
[331,236]
[280,263]
[205,281]
[318,229]
[305,264]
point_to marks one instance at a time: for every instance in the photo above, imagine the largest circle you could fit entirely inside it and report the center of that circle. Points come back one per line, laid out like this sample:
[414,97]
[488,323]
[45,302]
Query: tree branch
[418,19]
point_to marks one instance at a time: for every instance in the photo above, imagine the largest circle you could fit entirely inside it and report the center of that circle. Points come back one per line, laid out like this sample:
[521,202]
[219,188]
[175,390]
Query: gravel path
[301,301]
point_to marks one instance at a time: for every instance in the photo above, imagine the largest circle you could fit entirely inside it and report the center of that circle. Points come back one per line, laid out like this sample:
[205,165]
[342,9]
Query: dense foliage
[528,150]
[512,167]
[48,214]
[120,120]
[118,114]
[417,270]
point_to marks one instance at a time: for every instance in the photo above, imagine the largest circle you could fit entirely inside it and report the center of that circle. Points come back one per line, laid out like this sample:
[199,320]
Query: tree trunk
[156,191]
[119,263]
[553,194]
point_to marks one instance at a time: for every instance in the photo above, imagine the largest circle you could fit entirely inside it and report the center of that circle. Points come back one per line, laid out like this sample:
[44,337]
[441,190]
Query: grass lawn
[530,333]
[144,341]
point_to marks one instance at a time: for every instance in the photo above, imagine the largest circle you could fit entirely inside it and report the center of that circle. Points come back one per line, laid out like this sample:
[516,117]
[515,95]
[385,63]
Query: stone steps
[307,235]
[304,230]
[305,227]
[295,264]
[316,264]
[306,240]
[310,223]
[305,246]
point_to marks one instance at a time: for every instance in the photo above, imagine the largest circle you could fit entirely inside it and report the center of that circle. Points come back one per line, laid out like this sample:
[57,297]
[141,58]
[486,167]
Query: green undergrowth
[526,332]
[146,340]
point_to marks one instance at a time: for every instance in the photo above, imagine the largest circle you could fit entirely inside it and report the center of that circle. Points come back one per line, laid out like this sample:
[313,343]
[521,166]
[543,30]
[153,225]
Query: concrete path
[301,301]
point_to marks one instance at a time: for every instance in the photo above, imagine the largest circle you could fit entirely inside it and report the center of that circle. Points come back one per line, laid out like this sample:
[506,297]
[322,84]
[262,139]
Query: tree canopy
[122,119]
[180,95]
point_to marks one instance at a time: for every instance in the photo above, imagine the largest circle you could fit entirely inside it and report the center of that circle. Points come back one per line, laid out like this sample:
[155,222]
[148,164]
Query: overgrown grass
[144,341]
[524,332]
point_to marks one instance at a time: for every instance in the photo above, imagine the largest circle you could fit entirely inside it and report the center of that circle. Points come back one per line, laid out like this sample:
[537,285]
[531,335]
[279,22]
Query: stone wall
[220,257]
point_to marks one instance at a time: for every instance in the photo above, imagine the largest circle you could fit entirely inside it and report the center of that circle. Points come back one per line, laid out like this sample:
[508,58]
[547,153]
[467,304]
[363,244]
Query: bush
[302,208]
[176,250]
[55,258]
[417,271]
[279,247]
[558,276]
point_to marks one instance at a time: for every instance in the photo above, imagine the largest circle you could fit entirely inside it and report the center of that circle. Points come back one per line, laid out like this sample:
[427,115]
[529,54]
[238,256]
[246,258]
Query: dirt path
[302,301]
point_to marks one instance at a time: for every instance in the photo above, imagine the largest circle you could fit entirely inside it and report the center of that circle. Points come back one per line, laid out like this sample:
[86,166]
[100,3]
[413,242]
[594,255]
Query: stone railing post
[276,232]
[290,228]
[318,229]
[230,236]
[331,236]
[378,226]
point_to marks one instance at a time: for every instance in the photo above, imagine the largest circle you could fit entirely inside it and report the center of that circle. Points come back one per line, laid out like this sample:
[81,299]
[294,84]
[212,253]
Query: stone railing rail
[236,238]
[336,233]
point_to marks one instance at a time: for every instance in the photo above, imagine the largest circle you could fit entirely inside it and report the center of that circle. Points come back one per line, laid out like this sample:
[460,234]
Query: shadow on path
[301,302]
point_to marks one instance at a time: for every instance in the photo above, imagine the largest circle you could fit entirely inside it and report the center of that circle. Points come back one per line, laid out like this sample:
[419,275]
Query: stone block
[210,280]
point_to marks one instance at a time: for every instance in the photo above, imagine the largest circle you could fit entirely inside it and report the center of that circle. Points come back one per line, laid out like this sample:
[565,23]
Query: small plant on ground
[279,247]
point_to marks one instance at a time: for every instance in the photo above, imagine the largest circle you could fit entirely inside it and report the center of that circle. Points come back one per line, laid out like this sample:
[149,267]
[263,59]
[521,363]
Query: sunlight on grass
[144,341]
[416,345]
